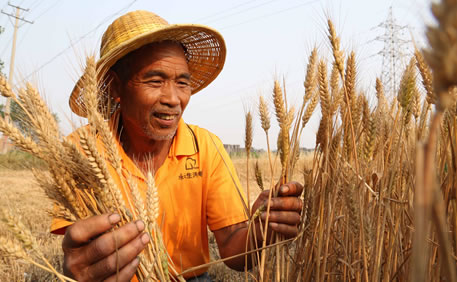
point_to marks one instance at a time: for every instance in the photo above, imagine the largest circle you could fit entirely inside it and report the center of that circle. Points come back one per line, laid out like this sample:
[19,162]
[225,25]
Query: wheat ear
[258,176]
[41,107]
[324,91]
[5,88]
[152,199]
[25,143]
[283,120]
[247,146]
[441,56]
[265,124]
[335,42]
[426,74]
[109,193]
[406,94]
[137,200]
[91,100]
[160,253]
[350,81]
[310,78]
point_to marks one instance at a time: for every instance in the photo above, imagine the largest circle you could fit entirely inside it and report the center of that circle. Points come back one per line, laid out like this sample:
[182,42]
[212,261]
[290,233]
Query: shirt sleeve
[226,204]
[59,225]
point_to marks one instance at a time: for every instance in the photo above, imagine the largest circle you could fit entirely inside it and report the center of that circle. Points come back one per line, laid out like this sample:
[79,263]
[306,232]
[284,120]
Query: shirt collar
[185,142]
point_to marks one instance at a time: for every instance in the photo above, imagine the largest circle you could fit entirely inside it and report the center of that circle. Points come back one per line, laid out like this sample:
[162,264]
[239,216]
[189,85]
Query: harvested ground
[20,194]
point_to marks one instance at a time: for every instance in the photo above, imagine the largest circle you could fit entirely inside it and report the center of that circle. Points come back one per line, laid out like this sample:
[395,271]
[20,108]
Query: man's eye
[183,83]
[155,81]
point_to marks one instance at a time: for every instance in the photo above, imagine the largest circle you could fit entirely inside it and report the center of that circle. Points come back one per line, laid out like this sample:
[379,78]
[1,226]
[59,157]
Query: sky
[266,39]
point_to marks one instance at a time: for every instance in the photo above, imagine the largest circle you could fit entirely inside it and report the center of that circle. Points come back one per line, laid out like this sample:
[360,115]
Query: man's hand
[285,209]
[90,253]
[284,218]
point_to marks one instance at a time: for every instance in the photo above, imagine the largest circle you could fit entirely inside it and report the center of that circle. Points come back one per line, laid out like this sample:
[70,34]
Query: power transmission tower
[18,18]
[393,53]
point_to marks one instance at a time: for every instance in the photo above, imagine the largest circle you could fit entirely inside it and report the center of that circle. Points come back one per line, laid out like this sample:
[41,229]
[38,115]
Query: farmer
[149,70]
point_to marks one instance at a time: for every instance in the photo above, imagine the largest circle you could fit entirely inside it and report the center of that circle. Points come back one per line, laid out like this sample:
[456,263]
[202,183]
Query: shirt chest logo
[192,169]
[191,164]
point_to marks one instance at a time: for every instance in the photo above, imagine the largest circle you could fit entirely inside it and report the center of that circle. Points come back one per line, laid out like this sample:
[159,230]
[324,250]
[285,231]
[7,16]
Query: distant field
[304,162]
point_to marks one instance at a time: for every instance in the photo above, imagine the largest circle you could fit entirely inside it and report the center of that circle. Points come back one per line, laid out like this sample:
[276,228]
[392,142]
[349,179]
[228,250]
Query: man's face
[157,91]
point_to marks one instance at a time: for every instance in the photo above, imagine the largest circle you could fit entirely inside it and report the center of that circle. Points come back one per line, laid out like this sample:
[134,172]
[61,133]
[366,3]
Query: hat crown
[129,26]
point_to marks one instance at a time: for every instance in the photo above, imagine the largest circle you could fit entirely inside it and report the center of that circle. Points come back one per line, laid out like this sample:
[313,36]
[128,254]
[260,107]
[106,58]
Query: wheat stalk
[338,57]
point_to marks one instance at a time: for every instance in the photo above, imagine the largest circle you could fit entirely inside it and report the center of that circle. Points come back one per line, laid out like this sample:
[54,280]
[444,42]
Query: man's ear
[114,85]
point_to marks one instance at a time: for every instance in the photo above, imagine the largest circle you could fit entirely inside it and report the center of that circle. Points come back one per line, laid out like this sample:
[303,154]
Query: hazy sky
[265,39]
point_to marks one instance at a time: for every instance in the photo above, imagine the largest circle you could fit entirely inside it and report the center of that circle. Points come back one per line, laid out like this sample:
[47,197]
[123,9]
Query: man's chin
[158,136]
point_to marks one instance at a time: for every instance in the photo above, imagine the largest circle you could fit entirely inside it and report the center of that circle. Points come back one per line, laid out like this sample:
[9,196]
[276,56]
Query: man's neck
[147,153]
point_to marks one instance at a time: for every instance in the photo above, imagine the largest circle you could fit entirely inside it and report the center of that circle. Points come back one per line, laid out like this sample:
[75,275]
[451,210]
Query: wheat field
[380,196]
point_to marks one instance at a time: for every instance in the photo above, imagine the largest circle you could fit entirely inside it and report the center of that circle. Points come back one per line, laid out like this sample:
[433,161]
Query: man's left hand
[285,209]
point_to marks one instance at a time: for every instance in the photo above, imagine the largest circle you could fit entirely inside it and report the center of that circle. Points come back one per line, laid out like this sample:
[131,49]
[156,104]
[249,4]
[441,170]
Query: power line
[55,4]
[223,11]
[48,9]
[240,12]
[236,99]
[271,14]
[17,16]
[36,4]
[5,21]
[77,41]
[14,16]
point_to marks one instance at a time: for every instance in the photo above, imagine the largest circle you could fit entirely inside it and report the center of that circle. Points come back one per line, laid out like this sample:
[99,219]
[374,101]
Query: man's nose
[170,94]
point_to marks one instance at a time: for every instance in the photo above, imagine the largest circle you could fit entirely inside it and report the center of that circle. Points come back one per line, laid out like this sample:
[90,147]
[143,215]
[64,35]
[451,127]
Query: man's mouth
[165,116]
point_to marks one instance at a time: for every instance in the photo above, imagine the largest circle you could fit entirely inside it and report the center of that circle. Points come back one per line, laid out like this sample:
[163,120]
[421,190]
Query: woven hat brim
[204,49]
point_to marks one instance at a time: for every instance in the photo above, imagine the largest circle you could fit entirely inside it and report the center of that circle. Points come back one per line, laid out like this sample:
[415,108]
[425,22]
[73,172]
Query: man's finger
[126,273]
[263,196]
[286,204]
[107,244]
[83,231]
[288,231]
[118,260]
[290,189]
[282,217]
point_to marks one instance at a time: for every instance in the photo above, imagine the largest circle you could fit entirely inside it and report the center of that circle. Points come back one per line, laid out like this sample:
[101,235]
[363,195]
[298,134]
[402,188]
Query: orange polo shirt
[196,189]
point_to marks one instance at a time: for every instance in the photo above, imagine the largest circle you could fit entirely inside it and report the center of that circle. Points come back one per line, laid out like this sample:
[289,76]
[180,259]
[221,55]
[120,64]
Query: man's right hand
[90,253]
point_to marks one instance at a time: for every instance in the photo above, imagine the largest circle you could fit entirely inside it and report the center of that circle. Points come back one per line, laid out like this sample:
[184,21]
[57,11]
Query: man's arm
[284,219]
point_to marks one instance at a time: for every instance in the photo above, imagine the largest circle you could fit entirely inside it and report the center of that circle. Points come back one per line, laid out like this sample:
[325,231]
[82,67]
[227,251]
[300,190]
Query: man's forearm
[238,243]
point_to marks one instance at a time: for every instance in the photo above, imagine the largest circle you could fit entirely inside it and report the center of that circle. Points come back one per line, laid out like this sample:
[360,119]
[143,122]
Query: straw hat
[204,49]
